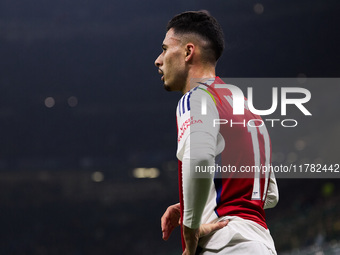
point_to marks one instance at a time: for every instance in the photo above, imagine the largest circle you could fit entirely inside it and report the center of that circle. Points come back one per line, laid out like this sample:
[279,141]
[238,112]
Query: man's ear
[189,51]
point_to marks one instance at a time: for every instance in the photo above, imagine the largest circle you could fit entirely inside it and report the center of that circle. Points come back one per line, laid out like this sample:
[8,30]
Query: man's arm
[199,154]
[197,142]
[196,183]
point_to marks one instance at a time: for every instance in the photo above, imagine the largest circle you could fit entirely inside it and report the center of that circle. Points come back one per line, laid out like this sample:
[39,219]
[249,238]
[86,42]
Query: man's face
[171,62]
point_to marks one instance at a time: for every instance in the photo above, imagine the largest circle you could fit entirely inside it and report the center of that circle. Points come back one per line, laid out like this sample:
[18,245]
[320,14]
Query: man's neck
[198,75]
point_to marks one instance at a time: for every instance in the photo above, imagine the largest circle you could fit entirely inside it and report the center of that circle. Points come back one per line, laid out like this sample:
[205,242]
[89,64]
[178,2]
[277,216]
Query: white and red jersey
[237,141]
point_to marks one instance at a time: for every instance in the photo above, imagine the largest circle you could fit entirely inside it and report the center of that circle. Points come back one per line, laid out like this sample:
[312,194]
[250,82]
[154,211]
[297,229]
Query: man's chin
[167,87]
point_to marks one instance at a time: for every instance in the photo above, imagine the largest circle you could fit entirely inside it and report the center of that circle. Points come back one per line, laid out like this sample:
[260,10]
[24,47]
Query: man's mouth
[161,72]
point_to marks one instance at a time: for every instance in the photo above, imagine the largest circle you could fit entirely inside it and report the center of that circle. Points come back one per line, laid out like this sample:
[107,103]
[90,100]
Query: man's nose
[158,62]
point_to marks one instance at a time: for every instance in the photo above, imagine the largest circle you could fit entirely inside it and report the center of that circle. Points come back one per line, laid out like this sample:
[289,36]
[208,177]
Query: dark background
[101,54]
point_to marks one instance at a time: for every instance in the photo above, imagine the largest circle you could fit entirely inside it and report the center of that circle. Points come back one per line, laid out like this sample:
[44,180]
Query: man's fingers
[163,224]
[169,220]
[165,230]
[166,233]
[219,225]
[206,229]
[165,236]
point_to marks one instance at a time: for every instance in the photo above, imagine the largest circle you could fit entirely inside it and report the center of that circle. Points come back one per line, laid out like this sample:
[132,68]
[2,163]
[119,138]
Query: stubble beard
[176,86]
[167,88]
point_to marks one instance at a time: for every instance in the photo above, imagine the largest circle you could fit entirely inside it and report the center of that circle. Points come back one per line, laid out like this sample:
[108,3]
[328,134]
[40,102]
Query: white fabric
[237,231]
[195,185]
[243,248]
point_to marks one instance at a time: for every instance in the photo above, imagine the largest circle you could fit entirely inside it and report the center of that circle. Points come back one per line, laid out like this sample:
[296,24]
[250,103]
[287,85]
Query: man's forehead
[171,38]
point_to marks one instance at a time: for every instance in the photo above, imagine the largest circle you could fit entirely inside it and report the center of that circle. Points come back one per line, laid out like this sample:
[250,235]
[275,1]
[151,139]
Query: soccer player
[220,213]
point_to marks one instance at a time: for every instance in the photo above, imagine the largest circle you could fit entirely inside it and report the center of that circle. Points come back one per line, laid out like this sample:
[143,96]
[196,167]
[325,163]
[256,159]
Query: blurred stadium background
[88,135]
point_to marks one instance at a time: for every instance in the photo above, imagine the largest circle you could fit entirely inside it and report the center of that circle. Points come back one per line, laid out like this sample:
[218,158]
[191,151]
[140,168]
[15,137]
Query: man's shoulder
[189,100]
[194,98]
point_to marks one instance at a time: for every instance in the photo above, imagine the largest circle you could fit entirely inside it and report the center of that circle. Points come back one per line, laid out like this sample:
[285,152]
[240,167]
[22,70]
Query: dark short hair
[202,24]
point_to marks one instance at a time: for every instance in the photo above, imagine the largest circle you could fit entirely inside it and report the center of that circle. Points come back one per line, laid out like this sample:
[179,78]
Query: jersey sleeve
[190,118]
[197,146]
[273,193]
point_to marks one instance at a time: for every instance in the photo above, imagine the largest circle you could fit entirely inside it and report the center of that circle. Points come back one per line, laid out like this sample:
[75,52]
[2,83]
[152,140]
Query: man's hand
[191,236]
[170,220]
